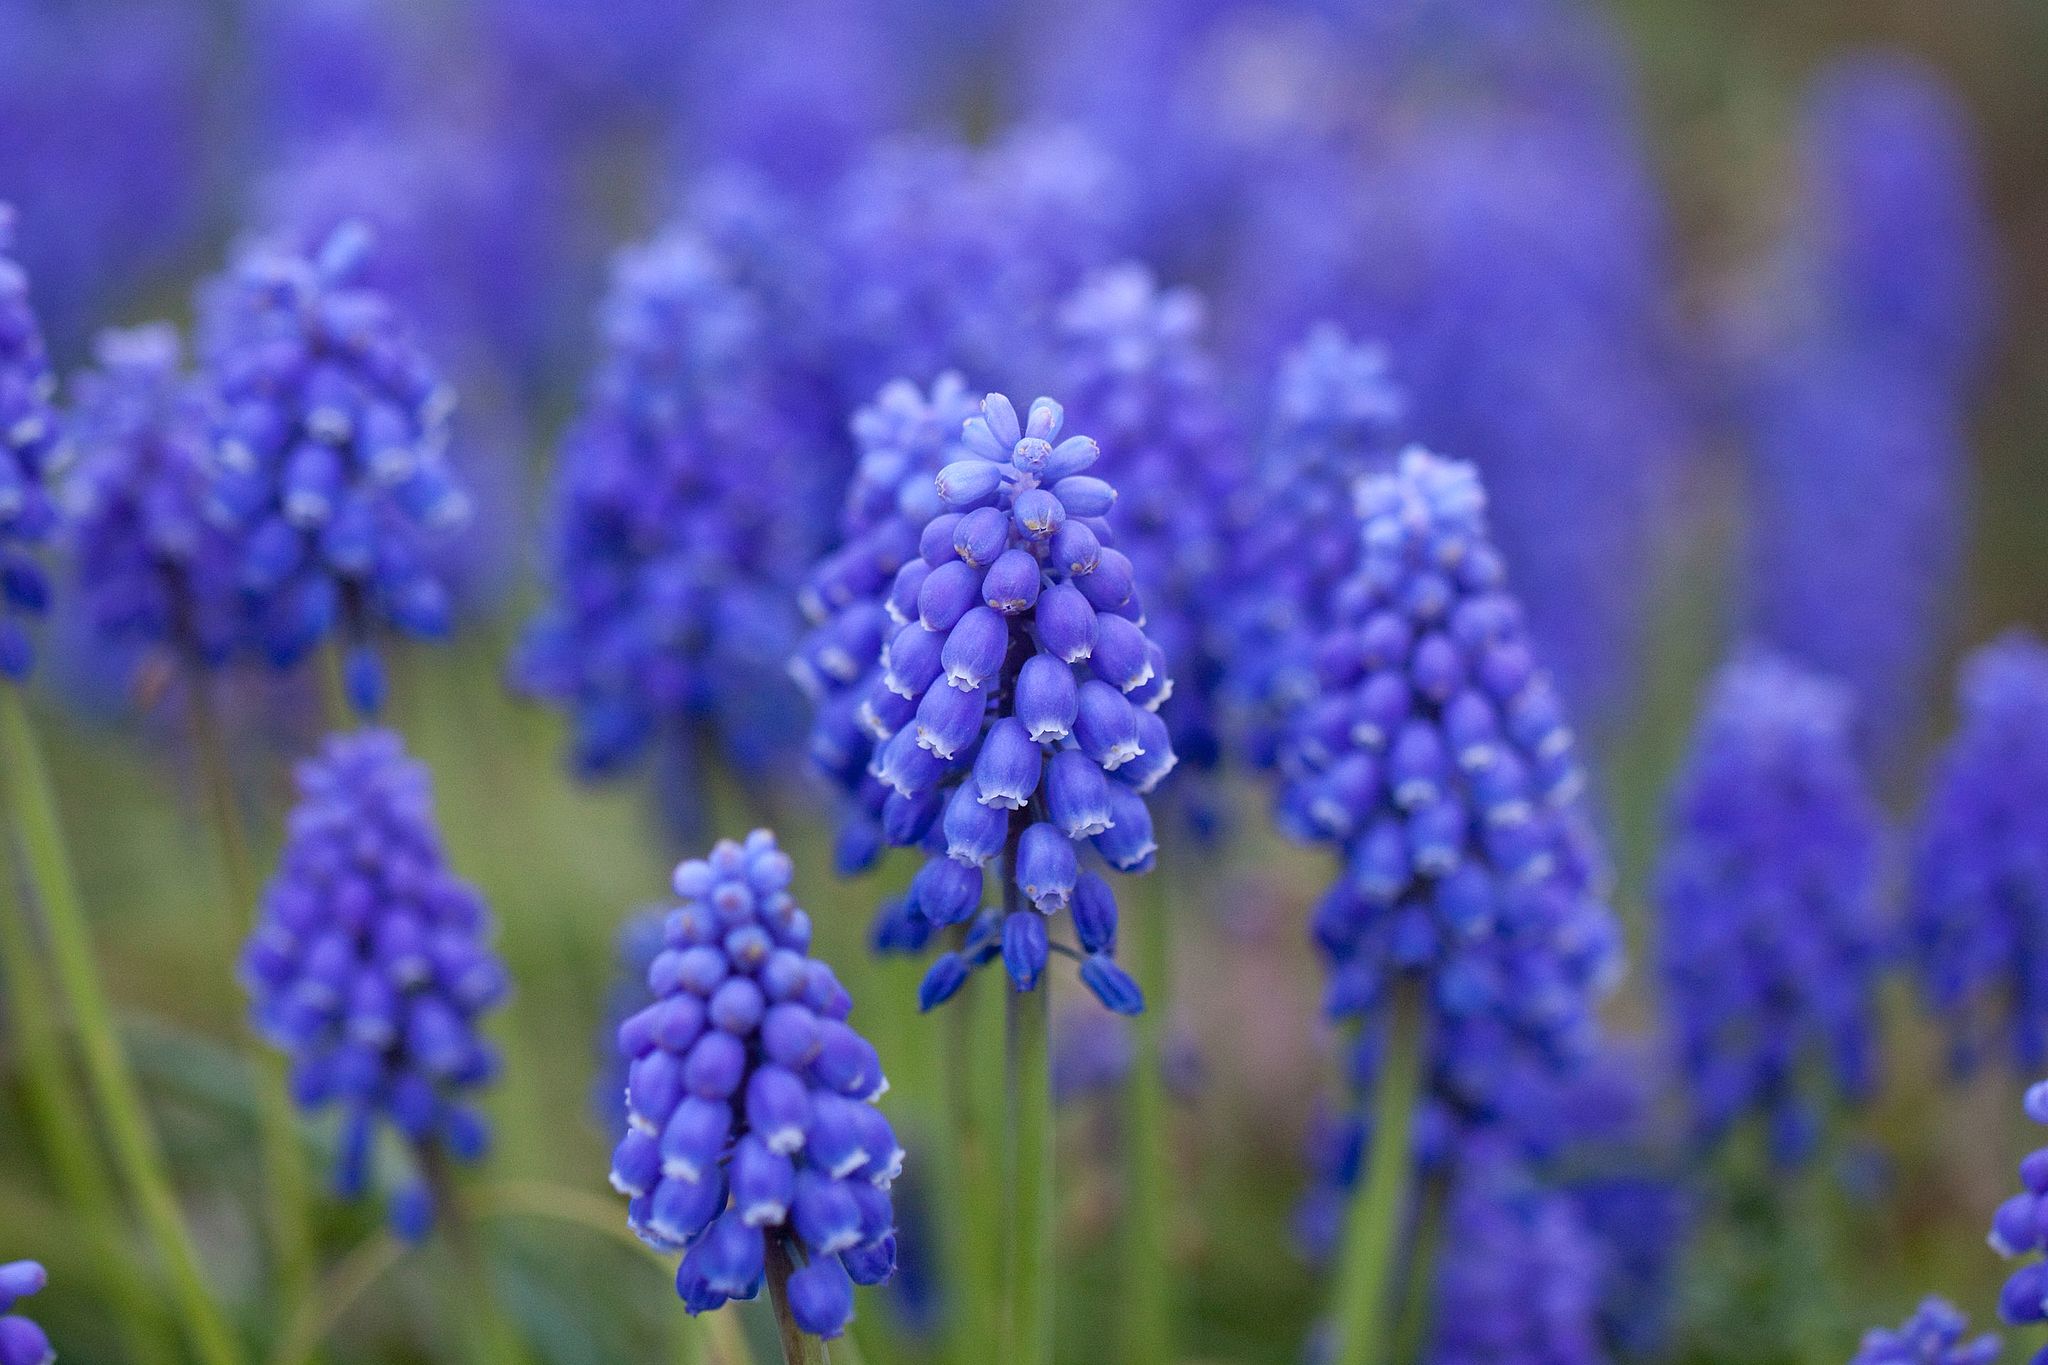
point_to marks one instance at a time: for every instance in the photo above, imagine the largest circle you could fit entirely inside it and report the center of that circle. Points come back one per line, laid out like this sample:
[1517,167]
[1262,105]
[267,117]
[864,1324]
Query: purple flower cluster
[2020,1228]
[28,439]
[328,459]
[1136,369]
[1867,333]
[1015,712]
[904,437]
[1331,420]
[1436,757]
[675,545]
[155,571]
[1934,1335]
[21,1341]
[1767,903]
[1978,905]
[749,1100]
[371,967]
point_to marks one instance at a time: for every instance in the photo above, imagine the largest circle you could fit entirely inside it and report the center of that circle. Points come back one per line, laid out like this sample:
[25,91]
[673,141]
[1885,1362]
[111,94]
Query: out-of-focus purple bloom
[28,442]
[1521,1275]
[904,437]
[638,943]
[950,258]
[1437,758]
[371,967]
[1858,348]
[155,573]
[1135,364]
[1093,1052]
[1014,712]
[1978,908]
[1331,420]
[749,1101]
[1767,903]
[2019,1228]
[323,68]
[101,137]
[328,457]
[679,521]
[581,66]
[21,1341]
[1934,1335]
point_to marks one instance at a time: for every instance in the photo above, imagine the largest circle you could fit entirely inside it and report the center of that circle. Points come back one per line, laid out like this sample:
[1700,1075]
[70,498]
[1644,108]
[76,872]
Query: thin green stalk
[798,1346]
[33,805]
[335,711]
[64,1131]
[318,1314]
[490,1338]
[1148,1216]
[1026,1337]
[284,1163]
[1364,1309]
[1418,1291]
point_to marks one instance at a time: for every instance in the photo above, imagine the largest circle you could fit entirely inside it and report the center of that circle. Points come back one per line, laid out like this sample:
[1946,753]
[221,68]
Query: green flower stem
[1026,1336]
[284,1162]
[1148,1215]
[1418,1292]
[488,1335]
[1364,1308]
[33,805]
[335,712]
[64,1131]
[798,1346]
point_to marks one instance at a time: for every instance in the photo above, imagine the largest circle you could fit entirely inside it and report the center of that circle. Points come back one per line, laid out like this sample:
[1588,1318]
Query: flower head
[328,459]
[1934,1335]
[1767,897]
[1436,757]
[21,1341]
[1979,889]
[1015,712]
[371,966]
[2020,1229]
[678,532]
[749,1100]
[155,571]
[28,442]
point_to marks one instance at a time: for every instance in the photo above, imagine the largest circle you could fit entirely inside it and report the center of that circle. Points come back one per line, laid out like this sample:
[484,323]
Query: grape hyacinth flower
[1437,758]
[1136,369]
[155,572]
[28,442]
[1015,712]
[1331,421]
[2019,1228]
[371,967]
[678,525]
[1767,902]
[21,1341]
[1977,909]
[904,437]
[1934,1335]
[752,1135]
[329,467]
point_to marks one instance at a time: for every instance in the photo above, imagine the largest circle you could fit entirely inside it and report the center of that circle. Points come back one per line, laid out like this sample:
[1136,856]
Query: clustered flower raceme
[1334,410]
[155,571]
[1015,711]
[28,442]
[1136,369]
[329,468]
[1934,1335]
[904,437]
[750,1101]
[2020,1228]
[1767,898]
[675,551]
[1979,890]
[21,1341]
[1436,757]
[371,967]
